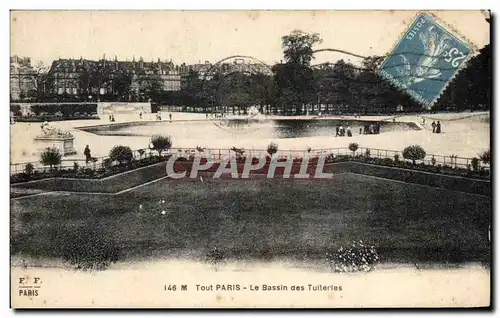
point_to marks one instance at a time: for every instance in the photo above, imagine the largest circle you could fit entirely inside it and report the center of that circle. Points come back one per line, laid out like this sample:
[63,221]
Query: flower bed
[440,169]
[183,164]
[87,173]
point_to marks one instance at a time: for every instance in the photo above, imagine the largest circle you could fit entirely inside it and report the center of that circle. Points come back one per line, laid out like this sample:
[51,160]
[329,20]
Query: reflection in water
[257,129]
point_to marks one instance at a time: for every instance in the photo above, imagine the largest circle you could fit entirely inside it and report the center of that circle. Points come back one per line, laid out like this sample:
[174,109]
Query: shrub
[122,154]
[51,157]
[414,153]
[367,153]
[272,148]
[161,143]
[29,168]
[396,158]
[353,147]
[330,158]
[357,257]
[238,151]
[88,248]
[200,149]
[107,163]
[386,162]
[75,166]
[486,156]
[433,161]
[475,164]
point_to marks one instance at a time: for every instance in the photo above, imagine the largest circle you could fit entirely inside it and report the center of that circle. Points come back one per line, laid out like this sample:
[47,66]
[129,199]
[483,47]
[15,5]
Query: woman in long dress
[438,128]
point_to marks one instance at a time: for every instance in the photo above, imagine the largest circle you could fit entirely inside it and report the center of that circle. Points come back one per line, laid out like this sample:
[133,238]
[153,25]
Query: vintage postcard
[250,159]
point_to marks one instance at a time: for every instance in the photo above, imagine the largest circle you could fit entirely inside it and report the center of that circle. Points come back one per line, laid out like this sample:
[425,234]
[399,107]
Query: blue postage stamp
[425,59]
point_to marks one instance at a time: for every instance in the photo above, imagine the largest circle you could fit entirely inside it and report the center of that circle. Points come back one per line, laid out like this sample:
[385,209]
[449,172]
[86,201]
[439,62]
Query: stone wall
[106,108]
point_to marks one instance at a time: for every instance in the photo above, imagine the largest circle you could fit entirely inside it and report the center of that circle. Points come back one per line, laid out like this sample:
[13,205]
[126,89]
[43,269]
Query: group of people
[341,131]
[370,129]
[111,118]
[436,127]
[158,116]
[367,129]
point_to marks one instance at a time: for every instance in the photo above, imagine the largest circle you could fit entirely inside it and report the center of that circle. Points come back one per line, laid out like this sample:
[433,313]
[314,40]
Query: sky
[198,36]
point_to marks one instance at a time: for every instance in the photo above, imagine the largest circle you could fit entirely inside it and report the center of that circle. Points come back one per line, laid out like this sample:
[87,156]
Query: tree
[50,157]
[298,47]
[84,83]
[272,148]
[261,89]
[486,157]
[37,78]
[294,79]
[344,89]
[353,147]
[475,164]
[161,143]
[122,154]
[413,153]
[121,85]
[151,85]
[93,78]
[471,88]
[29,168]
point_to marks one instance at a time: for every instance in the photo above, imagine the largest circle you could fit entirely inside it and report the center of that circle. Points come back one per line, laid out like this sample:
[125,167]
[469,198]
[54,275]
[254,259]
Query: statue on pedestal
[55,138]
[50,131]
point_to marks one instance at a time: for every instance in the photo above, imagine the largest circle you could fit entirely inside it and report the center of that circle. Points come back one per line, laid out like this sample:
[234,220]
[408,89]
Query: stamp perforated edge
[451,29]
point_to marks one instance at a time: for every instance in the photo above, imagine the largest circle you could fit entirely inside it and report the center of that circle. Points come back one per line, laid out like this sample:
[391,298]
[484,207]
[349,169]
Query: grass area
[262,219]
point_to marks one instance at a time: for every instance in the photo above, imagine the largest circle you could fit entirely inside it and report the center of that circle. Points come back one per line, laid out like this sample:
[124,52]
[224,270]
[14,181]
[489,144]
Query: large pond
[264,129]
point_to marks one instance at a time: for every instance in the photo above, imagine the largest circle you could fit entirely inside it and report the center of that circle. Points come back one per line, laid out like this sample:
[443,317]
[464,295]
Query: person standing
[170,116]
[433,126]
[438,127]
[337,131]
[140,115]
[86,152]
[349,132]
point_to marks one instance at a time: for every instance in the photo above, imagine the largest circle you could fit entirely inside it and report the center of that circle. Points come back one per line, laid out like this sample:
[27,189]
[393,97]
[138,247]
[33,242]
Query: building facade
[23,78]
[207,70]
[81,77]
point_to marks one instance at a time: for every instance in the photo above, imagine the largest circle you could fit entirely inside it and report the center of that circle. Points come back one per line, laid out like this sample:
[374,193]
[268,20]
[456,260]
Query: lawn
[262,219]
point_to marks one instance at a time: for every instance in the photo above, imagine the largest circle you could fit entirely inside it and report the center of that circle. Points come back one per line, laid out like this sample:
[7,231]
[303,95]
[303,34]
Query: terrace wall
[129,179]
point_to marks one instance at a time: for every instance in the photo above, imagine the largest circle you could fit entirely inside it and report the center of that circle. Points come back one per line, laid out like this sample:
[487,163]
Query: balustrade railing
[223,154]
